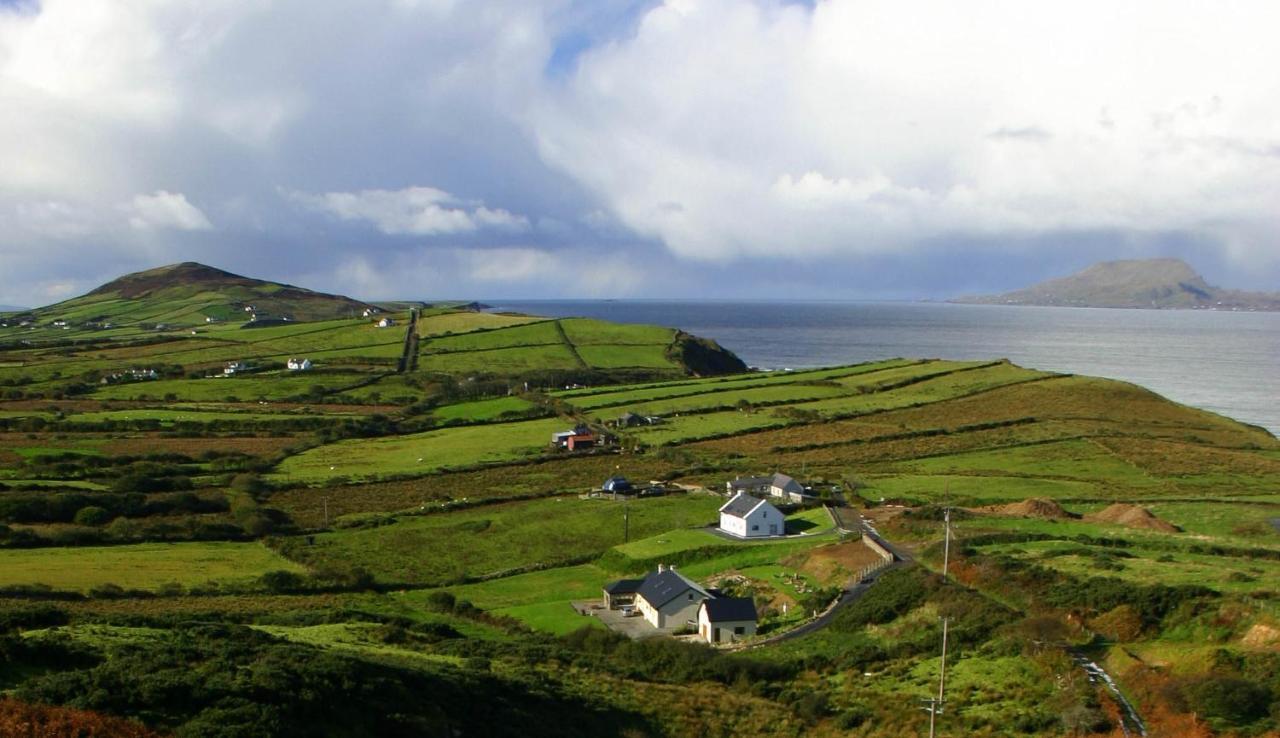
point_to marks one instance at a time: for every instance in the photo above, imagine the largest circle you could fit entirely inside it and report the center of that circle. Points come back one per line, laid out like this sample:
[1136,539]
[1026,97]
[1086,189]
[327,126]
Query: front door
[717,636]
[773,529]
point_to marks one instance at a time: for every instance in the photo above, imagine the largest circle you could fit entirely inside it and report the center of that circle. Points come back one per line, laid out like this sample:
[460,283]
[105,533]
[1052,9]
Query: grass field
[420,453]
[496,538]
[140,566]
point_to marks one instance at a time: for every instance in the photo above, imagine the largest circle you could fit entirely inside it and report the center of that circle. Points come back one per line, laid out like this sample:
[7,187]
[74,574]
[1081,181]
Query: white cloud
[727,132]
[163,209]
[875,125]
[415,211]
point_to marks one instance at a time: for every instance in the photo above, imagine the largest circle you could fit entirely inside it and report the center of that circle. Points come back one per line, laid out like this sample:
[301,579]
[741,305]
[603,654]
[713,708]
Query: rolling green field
[418,531]
[495,538]
[420,453]
[141,566]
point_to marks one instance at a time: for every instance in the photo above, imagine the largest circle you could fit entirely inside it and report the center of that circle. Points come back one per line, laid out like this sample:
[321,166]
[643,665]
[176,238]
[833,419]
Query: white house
[726,619]
[748,517]
[368,312]
[233,367]
[775,485]
[668,600]
[298,365]
[386,323]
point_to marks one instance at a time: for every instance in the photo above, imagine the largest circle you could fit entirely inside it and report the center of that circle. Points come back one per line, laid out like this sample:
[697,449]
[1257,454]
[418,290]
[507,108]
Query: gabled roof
[623,586]
[728,609]
[782,481]
[741,505]
[750,482]
[661,587]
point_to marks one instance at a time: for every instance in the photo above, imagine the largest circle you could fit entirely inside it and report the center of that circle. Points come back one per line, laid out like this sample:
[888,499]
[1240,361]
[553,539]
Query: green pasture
[140,566]
[624,394]
[689,427]
[476,410]
[499,361]
[587,331]
[444,548]
[421,453]
[539,333]
[626,357]
[464,322]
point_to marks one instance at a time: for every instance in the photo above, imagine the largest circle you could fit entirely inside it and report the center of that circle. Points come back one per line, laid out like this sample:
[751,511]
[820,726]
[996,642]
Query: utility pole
[626,519]
[935,705]
[326,511]
[946,542]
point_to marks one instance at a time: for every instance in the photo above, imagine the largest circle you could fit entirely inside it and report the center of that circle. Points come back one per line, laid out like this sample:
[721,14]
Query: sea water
[1226,362]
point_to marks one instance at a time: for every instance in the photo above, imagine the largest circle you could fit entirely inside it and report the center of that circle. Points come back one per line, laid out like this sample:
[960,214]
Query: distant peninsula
[1160,284]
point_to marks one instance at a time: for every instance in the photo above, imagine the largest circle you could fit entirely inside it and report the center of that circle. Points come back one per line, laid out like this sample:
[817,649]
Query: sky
[757,149]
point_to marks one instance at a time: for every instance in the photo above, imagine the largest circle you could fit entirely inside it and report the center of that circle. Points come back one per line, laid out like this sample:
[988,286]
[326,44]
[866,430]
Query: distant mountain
[11,309]
[190,293]
[1144,283]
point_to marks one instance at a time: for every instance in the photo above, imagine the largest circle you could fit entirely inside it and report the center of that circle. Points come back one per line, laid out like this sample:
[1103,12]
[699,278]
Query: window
[739,630]
[691,597]
[755,527]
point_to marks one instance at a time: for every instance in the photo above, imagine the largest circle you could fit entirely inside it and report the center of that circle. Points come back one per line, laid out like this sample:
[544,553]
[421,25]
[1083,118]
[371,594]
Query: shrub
[92,515]
[1230,699]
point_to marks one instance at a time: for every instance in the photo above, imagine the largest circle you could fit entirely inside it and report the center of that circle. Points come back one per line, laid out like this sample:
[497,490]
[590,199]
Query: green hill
[1144,283]
[189,293]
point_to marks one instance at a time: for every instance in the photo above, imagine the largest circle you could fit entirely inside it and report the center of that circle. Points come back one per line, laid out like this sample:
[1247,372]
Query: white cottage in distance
[748,517]
[299,365]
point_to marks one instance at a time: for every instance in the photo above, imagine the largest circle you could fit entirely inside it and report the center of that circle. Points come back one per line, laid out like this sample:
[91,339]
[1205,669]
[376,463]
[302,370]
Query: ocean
[1225,362]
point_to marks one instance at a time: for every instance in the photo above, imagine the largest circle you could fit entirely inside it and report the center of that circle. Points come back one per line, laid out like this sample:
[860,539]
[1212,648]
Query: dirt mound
[1262,636]
[1036,507]
[1132,516]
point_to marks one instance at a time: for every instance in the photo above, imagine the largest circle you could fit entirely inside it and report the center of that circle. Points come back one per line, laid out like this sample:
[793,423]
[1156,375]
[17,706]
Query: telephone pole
[946,542]
[935,704]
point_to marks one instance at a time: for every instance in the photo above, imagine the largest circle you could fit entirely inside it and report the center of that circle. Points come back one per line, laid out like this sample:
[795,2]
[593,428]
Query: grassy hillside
[234,554]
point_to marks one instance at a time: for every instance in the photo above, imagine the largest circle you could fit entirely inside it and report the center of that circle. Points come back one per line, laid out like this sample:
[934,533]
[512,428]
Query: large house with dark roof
[667,599]
[748,517]
[726,619]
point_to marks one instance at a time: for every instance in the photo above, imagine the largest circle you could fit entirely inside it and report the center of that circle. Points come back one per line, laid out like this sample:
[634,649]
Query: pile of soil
[1132,516]
[1036,507]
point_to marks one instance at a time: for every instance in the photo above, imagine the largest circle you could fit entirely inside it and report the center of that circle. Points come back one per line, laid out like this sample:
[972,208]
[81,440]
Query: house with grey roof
[726,619]
[668,600]
[750,517]
[774,485]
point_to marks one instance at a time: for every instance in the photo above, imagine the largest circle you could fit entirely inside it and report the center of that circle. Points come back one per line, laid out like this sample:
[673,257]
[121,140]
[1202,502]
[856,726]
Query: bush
[92,515]
[282,581]
[1230,699]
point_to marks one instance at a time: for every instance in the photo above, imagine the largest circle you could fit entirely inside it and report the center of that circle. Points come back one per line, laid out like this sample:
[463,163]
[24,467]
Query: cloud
[414,211]
[163,209]
[649,146]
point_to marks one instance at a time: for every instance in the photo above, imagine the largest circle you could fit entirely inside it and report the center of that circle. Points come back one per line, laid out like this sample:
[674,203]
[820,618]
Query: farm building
[726,619]
[621,593]
[616,484]
[775,485]
[632,420]
[579,437]
[385,323]
[299,365]
[749,517]
[234,367]
[668,600]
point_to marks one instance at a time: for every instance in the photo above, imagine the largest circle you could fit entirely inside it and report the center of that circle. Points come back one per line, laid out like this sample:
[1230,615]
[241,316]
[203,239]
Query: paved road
[901,558]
